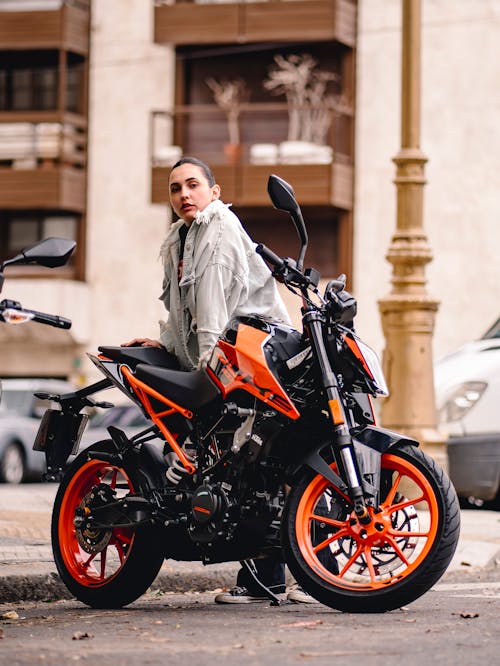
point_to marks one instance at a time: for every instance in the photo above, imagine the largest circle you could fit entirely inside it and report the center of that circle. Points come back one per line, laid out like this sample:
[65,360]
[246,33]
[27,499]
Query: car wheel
[12,464]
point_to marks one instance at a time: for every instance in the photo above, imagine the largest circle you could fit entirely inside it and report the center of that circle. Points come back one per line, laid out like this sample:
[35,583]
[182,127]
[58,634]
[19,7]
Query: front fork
[343,442]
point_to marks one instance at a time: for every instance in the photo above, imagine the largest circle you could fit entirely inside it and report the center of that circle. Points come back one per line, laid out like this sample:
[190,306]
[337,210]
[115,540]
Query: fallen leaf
[311,623]
[468,616]
[9,615]
[238,646]
[81,635]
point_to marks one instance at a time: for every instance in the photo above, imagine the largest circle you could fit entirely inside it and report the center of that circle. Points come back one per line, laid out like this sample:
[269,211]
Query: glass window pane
[23,232]
[21,89]
[3,90]
[64,227]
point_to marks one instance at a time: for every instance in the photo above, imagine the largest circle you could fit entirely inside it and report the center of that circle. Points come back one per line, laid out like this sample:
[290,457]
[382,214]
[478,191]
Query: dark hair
[207,171]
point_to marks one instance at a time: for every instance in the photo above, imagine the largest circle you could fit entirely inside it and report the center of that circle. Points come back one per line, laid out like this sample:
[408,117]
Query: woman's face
[190,191]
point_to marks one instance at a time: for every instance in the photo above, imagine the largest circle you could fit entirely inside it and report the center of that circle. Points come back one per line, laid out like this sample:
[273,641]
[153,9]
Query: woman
[212,273]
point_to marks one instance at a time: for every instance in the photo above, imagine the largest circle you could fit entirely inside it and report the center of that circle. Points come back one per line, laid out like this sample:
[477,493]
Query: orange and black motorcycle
[271,449]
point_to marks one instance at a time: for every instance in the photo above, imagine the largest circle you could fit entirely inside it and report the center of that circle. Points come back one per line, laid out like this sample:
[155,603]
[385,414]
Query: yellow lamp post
[408,313]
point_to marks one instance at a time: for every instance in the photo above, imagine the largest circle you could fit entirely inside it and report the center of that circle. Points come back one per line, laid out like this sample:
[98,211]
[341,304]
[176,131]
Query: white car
[467,396]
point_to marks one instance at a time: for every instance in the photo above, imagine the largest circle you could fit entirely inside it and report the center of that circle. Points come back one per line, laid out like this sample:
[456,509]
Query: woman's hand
[142,342]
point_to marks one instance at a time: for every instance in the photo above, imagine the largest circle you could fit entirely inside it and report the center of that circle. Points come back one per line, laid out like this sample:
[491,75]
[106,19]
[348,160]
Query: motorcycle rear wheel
[103,568]
[387,564]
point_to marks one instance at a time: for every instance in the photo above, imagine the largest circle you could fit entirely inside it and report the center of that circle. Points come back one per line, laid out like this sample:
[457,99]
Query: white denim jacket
[222,277]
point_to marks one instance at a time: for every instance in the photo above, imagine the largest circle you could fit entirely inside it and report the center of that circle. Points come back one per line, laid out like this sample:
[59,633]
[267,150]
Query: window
[19,229]
[29,81]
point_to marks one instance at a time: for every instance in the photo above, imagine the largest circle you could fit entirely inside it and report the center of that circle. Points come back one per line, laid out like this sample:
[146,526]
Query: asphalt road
[456,623]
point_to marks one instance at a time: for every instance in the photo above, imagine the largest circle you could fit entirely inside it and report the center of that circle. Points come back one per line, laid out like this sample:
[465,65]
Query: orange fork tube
[142,391]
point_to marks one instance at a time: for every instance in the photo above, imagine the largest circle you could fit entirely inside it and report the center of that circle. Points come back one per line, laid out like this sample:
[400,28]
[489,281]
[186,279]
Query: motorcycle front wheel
[103,568]
[395,559]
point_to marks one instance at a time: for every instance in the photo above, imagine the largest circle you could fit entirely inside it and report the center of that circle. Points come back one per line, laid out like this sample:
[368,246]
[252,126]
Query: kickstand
[249,565]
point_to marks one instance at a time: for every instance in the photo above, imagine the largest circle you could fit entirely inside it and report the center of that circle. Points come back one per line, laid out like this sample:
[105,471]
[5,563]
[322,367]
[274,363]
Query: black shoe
[241,595]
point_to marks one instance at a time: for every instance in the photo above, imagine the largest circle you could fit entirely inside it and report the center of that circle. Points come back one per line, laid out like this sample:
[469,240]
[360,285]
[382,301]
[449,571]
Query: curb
[49,586]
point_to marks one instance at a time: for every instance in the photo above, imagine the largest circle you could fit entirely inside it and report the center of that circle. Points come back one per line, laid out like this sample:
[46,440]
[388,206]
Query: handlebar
[50,320]
[34,315]
[269,256]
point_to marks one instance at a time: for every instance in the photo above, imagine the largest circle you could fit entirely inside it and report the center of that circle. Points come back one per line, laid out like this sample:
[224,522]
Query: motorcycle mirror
[51,253]
[283,198]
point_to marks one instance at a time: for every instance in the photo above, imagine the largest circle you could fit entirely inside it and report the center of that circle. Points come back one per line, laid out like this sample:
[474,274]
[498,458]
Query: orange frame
[144,392]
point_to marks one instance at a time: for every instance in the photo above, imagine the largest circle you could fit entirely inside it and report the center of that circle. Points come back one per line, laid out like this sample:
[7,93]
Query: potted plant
[229,95]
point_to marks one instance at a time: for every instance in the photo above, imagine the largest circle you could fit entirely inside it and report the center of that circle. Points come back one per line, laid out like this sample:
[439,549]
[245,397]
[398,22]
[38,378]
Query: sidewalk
[27,570]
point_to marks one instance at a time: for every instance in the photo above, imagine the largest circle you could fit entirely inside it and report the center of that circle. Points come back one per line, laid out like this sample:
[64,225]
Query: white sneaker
[300,596]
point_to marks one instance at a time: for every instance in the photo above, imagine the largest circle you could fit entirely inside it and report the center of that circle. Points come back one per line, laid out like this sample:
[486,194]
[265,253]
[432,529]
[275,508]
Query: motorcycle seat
[191,390]
[132,356]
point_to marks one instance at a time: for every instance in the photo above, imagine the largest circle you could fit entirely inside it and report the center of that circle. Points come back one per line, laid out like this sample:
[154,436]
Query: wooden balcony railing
[321,175]
[45,24]
[185,23]
[42,161]
[38,139]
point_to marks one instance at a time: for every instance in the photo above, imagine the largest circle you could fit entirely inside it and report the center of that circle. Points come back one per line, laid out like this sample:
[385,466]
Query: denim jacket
[222,277]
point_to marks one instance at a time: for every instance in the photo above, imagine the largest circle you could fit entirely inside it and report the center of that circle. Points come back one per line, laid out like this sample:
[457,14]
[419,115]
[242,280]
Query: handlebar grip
[269,256]
[50,320]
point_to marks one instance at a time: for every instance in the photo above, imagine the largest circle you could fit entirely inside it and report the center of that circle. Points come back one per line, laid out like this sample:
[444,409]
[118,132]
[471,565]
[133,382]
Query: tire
[387,564]
[12,464]
[102,568]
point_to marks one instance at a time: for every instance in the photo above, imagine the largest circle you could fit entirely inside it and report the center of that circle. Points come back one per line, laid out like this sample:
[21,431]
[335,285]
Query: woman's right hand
[142,342]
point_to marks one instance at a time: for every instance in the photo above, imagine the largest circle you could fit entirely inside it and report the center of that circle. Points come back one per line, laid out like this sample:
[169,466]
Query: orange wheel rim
[352,556]
[93,557]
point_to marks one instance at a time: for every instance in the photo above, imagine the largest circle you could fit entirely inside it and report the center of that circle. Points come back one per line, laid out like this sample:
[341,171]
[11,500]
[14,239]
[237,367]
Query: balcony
[322,175]
[190,23]
[45,24]
[42,160]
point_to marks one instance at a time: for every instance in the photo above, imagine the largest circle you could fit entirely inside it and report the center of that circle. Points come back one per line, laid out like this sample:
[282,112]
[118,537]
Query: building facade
[102,96]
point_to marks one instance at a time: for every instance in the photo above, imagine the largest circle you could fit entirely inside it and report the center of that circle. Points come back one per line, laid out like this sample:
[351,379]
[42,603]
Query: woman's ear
[215,192]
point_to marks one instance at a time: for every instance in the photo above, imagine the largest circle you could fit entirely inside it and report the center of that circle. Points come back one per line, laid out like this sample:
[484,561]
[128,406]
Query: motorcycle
[270,450]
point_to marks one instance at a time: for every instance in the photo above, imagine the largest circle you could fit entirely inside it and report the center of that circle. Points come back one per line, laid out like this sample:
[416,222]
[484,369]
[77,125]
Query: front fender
[381,439]
[369,445]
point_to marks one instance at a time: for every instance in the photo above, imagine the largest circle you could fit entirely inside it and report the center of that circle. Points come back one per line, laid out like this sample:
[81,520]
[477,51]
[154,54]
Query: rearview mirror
[283,197]
[51,253]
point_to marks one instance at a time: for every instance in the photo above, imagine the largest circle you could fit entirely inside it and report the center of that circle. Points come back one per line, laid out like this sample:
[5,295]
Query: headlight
[461,401]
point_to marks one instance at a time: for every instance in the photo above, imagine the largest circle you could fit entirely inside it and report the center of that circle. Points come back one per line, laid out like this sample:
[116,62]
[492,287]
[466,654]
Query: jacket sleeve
[219,291]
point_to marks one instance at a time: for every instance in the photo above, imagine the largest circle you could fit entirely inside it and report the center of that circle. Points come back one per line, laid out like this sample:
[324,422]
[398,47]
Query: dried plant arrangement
[305,87]
[229,95]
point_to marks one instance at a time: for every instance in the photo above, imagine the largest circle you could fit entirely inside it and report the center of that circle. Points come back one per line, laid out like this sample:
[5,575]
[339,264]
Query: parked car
[20,414]
[467,391]
[126,417]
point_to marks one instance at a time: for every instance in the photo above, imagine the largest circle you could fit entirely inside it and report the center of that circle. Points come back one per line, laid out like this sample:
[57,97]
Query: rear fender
[146,458]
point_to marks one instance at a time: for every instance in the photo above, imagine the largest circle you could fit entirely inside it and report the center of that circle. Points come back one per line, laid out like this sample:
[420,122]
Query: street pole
[408,313]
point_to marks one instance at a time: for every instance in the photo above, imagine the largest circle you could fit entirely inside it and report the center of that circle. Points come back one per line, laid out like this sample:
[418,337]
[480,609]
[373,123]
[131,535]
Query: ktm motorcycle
[270,450]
